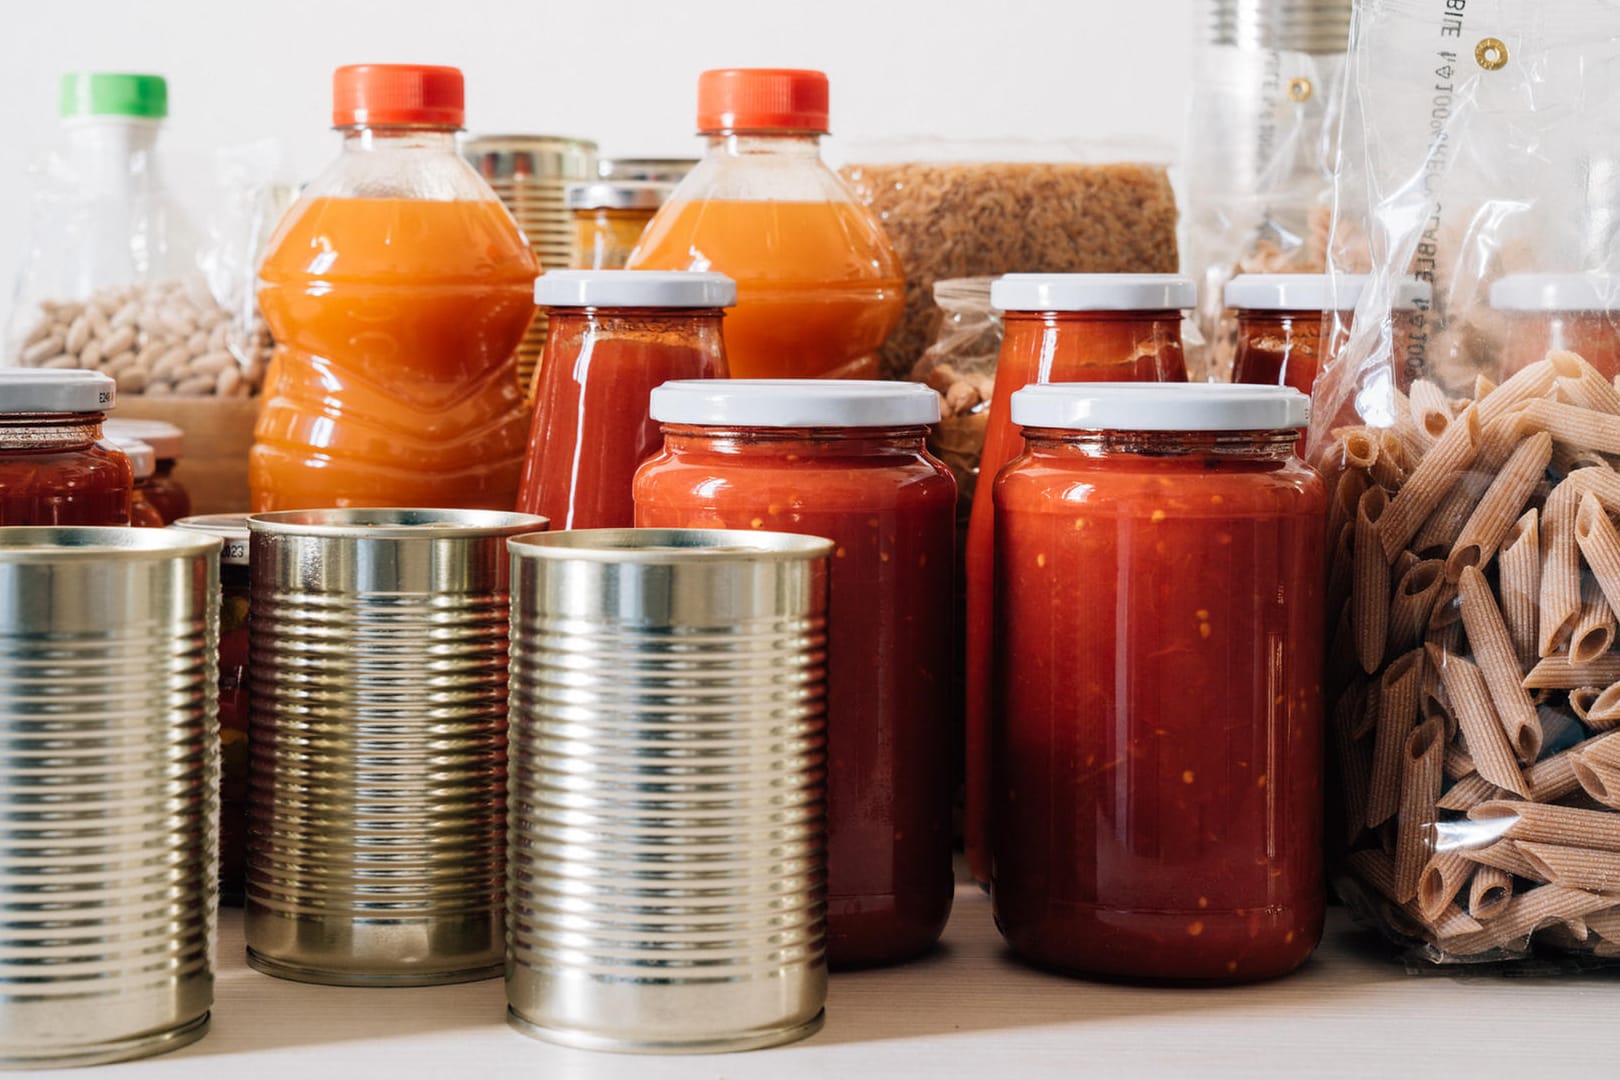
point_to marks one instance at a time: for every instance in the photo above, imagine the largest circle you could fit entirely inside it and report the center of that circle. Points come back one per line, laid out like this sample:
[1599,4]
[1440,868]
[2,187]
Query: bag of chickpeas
[1474,470]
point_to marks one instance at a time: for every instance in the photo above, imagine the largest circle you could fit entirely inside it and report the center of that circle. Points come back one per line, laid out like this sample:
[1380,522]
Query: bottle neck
[795,442]
[1263,446]
[50,431]
[366,139]
[738,144]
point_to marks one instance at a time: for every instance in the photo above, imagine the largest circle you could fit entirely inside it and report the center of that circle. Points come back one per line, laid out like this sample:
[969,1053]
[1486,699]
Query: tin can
[377,744]
[666,855]
[109,791]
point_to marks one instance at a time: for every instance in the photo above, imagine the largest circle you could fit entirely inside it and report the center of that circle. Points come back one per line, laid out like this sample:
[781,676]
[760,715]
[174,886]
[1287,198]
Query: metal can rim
[54,543]
[668,546]
[395,523]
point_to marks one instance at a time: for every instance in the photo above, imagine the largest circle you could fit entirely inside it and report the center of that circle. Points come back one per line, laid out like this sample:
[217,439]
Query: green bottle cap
[87,93]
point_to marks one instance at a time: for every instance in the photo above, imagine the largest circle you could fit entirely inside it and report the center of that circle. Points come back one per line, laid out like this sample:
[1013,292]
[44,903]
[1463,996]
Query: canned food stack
[531,174]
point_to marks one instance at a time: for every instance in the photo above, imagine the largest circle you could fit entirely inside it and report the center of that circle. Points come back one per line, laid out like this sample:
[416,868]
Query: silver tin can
[377,744]
[109,791]
[666,843]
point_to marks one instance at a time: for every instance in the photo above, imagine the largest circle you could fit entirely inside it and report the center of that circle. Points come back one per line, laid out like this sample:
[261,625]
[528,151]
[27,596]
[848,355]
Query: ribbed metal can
[109,792]
[666,843]
[377,744]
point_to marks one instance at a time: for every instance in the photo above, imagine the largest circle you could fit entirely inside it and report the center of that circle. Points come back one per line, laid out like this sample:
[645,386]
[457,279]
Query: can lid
[52,390]
[634,288]
[1092,292]
[1315,292]
[421,95]
[142,460]
[762,99]
[666,547]
[794,403]
[231,528]
[423,524]
[94,93]
[1160,407]
[619,195]
[35,544]
[1556,292]
[164,438]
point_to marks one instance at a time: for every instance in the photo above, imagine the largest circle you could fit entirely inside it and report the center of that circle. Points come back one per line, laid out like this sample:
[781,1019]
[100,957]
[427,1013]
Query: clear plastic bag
[1474,682]
[961,366]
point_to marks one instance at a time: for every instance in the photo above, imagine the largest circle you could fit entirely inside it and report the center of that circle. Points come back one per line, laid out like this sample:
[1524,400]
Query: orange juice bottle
[818,286]
[397,289]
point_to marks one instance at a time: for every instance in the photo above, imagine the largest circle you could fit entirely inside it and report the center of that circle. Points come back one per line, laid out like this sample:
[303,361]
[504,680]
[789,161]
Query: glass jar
[142,464]
[1159,637]
[1055,328]
[846,461]
[163,490]
[1551,312]
[234,591]
[608,220]
[819,287]
[615,335]
[53,468]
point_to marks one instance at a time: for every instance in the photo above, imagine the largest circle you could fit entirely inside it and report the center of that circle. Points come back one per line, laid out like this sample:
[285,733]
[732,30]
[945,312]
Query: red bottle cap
[762,99]
[406,94]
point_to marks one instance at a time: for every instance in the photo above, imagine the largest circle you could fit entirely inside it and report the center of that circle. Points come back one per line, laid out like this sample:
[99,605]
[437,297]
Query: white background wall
[620,71]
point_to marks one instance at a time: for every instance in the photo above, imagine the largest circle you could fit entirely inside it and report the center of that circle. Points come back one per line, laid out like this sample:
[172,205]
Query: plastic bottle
[818,286]
[397,290]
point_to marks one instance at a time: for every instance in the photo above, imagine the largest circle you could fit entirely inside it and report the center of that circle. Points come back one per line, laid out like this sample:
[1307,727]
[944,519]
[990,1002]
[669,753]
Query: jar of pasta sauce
[164,490]
[609,217]
[234,589]
[1057,328]
[846,461]
[614,335]
[1158,739]
[1550,312]
[54,470]
[142,464]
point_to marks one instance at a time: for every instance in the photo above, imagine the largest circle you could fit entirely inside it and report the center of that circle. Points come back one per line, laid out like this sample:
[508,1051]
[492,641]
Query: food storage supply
[818,284]
[398,289]
[164,490]
[54,470]
[608,219]
[234,587]
[531,174]
[957,209]
[1056,328]
[377,744]
[667,842]
[109,779]
[1551,312]
[1158,654]
[142,466]
[615,335]
[847,461]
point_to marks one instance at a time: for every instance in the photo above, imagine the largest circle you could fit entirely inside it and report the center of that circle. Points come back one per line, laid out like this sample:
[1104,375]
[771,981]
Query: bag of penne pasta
[1474,567]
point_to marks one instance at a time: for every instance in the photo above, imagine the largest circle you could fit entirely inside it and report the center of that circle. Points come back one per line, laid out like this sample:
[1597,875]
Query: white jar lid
[1556,292]
[1315,292]
[1125,406]
[634,288]
[791,403]
[141,457]
[163,437]
[1092,292]
[55,390]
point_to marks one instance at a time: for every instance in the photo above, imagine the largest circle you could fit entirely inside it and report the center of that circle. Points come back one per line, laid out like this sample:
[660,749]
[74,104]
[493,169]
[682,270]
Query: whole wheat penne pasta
[1430,409]
[1532,381]
[1369,588]
[1346,495]
[1501,505]
[1340,576]
[1497,442]
[1566,459]
[1403,562]
[1605,923]
[1360,446]
[1415,594]
[1545,824]
[1488,744]
[1604,483]
[1519,582]
[1598,779]
[1458,761]
[1397,715]
[1341,658]
[1560,603]
[1586,428]
[1493,650]
[1441,881]
[1524,914]
[1353,755]
[1573,867]
[1600,750]
[1581,699]
[1557,673]
[1592,636]
[1552,777]
[1440,531]
[1421,772]
[1489,890]
[1430,481]
[1388,471]
[1377,870]
[1414,442]
[1600,546]
[1504,855]
[1469,792]
[1483,385]
[1587,388]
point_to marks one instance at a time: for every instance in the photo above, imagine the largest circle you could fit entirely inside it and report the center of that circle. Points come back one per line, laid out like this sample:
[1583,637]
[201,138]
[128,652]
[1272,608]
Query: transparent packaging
[1475,573]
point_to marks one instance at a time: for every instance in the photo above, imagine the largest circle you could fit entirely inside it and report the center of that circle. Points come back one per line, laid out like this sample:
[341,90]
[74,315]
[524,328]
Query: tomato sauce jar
[1057,328]
[1549,312]
[164,490]
[54,470]
[846,461]
[1157,748]
[614,335]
